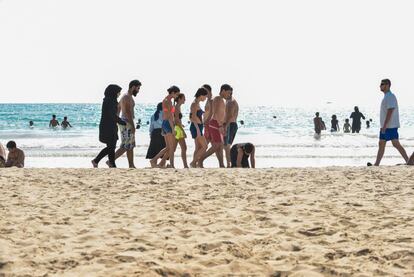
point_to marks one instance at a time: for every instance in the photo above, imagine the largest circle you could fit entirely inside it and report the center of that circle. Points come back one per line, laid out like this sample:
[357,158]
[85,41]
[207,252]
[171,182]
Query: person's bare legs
[381,150]
[161,154]
[183,147]
[170,146]
[193,163]
[170,142]
[220,155]
[215,148]
[396,144]
[227,151]
[201,147]
[130,156]
[411,160]
[120,152]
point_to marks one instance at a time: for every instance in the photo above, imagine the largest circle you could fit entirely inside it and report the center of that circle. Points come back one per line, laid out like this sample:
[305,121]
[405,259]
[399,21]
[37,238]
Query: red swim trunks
[207,130]
[214,132]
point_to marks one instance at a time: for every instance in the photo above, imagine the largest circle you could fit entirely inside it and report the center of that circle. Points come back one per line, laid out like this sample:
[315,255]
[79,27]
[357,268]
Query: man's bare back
[232,110]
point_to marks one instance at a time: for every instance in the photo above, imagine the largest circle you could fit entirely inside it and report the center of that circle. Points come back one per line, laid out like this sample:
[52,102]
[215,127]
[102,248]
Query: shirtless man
[65,123]
[216,127]
[127,105]
[318,124]
[53,122]
[230,125]
[15,157]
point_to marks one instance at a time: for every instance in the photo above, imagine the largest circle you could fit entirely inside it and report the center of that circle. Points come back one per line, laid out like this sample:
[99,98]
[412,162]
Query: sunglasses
[382,84]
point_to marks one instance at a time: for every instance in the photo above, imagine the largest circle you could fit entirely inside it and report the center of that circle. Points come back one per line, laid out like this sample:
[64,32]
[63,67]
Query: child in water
[347,126]
[334,124]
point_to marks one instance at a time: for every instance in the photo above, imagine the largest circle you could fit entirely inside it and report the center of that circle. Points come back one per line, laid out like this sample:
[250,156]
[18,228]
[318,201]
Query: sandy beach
[266,222]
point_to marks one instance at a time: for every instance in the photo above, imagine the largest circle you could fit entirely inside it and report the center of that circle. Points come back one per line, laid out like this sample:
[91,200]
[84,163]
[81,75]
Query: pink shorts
[214,132]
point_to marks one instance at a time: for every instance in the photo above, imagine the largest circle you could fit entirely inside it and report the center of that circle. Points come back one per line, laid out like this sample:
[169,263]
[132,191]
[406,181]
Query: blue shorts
[193,130]
[390,134]
[166,127]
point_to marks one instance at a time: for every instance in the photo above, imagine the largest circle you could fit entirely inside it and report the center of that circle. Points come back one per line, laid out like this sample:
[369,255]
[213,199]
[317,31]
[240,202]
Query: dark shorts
[233,157]
[390,134]
[166,127]
[193,130]
[231,133]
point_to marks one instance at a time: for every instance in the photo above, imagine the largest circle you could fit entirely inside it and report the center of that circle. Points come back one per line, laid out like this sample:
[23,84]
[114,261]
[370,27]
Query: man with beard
[127,105]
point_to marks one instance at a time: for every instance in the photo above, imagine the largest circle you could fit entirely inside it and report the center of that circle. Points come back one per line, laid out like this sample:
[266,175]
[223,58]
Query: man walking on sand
[127,105]
[390,122]
[216,127]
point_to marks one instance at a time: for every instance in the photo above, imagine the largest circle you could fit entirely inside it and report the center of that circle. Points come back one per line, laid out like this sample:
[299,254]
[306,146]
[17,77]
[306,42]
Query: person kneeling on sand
[15,157]
[240,154]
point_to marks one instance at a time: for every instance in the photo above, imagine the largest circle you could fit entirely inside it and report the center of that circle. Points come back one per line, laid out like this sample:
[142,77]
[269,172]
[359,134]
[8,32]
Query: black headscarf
[111,92]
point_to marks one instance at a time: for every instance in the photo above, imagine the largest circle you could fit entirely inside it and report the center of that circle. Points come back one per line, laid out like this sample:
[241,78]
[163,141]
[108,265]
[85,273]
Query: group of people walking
[215,125]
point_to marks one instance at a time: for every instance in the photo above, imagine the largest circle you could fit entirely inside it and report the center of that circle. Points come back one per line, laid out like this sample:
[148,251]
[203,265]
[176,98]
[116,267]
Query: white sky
[272,52]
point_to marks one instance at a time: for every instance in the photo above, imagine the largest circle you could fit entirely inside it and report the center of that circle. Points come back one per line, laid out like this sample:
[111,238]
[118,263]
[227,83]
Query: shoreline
[299,221]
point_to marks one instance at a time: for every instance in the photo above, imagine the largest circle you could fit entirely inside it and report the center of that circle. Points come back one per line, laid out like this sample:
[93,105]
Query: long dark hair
[181,95]
[157,112]
[201,92]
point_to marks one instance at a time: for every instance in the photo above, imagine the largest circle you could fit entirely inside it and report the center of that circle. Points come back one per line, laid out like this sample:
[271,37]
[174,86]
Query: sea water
[284,137]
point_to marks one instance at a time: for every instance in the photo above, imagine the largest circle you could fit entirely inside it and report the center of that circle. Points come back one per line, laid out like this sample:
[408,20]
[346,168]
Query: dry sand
[269,222]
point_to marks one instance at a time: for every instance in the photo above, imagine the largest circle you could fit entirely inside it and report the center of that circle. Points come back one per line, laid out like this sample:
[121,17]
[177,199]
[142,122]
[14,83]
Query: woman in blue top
[196,127]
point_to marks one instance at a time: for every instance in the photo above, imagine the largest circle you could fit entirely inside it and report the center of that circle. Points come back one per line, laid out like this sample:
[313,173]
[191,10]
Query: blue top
[155,124]
[200,115]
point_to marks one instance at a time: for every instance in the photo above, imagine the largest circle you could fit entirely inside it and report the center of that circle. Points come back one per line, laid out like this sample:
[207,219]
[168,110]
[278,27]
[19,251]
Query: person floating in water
[356,120]
[65,123]
[240,154]
[31,124]
[53,122]
[334,124]
[347,126]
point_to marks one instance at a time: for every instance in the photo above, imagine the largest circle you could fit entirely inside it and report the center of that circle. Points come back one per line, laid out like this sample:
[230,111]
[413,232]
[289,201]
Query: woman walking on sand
[196,127]
[108,129]
[168,129]
[180,134]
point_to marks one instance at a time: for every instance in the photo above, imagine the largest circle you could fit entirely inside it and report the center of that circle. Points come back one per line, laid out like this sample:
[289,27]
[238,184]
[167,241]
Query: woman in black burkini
[356,120]
[108,129]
